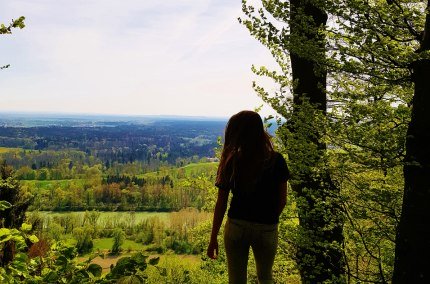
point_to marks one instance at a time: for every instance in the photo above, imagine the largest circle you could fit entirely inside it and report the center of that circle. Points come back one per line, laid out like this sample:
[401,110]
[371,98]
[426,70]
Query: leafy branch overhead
[19,23]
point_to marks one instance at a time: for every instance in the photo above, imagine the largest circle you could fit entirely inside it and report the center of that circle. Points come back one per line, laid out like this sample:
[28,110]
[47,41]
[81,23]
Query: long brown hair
[246,145]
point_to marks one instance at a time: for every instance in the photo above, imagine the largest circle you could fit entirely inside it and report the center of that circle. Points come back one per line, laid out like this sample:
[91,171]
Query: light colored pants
[239,236]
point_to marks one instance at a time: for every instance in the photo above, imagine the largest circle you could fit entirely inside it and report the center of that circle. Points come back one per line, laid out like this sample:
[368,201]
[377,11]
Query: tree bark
[412,255]
[319,257]
[412,260]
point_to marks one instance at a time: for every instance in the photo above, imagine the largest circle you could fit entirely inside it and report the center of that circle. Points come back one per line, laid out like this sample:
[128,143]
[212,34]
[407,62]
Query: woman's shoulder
[278,156]
[274,160]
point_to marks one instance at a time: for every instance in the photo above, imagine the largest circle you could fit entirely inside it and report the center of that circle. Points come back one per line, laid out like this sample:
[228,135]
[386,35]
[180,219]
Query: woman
[257,177]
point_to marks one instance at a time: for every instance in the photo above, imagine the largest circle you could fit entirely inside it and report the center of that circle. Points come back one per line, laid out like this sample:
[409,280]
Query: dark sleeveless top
[258,202]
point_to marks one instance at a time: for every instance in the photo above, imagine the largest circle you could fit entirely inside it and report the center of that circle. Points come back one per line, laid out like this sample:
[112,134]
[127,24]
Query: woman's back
[255,193]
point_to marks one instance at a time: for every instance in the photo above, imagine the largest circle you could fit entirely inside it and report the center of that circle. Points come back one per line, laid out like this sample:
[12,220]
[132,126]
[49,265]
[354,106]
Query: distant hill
[14,119]
[114,138]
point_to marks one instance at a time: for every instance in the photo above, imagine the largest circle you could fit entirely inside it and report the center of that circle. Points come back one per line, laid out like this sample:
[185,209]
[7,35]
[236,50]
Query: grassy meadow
[118,217]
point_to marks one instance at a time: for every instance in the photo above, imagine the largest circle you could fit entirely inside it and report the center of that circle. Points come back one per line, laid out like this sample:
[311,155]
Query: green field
[197,167]
[106,244]
[117,216]
[7,150]
[51,184]
[188,170]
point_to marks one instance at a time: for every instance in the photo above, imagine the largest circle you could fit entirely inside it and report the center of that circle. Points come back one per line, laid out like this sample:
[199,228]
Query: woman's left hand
[212,251]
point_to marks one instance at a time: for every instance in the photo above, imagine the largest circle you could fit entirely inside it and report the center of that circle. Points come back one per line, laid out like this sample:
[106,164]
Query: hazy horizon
[119,115]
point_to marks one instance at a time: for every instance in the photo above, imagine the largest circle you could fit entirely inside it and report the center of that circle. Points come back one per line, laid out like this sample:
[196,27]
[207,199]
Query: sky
[133,57]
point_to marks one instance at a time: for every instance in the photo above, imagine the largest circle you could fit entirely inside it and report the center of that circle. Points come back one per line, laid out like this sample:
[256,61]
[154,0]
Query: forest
[351,102]
[163,139]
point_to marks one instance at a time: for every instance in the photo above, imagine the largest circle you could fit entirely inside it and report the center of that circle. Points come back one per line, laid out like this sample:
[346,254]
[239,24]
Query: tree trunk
[319,255]
[412,259]
[412,256]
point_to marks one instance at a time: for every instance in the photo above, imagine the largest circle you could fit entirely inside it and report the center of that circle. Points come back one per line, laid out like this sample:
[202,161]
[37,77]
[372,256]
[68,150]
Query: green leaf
[4,205]
[132,279]
[51,277]
[33,239]
[95,269]
[26,227]
[4,232]
[20,262]
[61,260]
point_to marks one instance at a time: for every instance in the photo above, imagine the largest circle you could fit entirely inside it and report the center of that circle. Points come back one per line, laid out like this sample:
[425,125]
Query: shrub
[118,240]
[84,239]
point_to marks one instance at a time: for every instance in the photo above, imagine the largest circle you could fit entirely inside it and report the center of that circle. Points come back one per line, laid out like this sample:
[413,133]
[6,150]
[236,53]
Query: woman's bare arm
[282,190]
[220,208]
